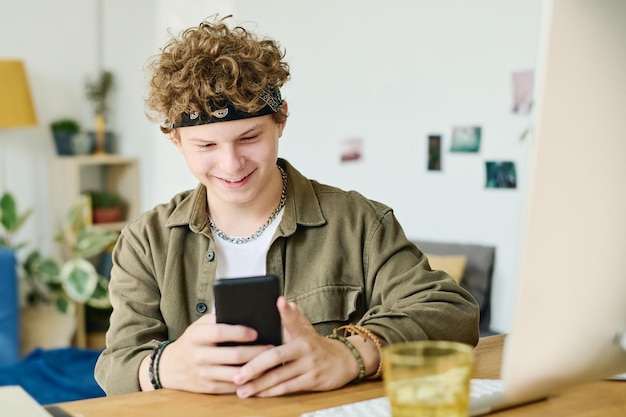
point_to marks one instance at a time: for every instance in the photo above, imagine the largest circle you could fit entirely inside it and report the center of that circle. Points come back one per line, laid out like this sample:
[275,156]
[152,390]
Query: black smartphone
[251,302]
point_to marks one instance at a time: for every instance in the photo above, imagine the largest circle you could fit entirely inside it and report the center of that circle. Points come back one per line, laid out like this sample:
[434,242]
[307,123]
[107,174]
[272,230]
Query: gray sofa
[478,273]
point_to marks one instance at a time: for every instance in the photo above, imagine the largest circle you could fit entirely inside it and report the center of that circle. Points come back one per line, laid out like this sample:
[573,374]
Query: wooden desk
[601,399]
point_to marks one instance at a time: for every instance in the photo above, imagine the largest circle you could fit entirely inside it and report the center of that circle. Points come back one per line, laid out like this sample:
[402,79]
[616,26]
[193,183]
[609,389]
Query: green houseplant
[106,206]
[63,130]
[98,92]
[67,280]
[72,279]
[65,125]
[55,286]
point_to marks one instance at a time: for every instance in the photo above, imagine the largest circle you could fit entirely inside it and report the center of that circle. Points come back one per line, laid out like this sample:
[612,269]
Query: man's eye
[250,137]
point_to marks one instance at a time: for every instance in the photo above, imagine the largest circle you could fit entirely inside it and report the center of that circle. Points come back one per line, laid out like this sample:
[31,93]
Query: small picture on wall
[351,150]
[500,174]
[466,138]
[434,152]
[523,88]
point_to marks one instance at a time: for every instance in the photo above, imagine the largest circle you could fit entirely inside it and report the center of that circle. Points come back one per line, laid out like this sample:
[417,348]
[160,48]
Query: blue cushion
[55,375]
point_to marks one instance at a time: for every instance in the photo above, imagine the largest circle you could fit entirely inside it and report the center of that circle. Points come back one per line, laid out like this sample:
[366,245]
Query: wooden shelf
[96,340]
[71,176]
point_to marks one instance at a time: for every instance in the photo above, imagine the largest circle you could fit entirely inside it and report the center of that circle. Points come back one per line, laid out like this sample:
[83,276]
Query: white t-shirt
[247,259]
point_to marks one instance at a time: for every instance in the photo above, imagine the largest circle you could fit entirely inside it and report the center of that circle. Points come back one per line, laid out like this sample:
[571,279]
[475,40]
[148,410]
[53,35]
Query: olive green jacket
[340,257]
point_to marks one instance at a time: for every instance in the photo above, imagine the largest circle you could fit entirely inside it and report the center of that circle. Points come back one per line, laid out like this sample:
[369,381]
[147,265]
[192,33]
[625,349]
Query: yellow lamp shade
[16,104]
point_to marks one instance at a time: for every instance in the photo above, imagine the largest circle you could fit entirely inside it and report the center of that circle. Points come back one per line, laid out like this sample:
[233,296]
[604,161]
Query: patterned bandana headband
[225,111]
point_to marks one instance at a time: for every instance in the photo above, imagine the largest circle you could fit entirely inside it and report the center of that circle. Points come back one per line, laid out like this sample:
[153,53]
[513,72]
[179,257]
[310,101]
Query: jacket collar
[302,205]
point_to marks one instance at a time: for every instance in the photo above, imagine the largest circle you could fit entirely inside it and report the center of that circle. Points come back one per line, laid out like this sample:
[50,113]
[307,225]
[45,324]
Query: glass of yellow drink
[428,378]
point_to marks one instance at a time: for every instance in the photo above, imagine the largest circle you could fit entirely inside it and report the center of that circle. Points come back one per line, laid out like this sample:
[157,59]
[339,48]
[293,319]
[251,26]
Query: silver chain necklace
[260,230]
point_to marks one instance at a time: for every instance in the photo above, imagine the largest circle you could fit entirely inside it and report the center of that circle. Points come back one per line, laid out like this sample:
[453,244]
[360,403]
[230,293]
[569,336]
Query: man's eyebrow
[253,128]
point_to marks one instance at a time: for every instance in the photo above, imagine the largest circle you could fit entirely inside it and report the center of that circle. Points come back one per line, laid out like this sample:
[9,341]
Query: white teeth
[233,181]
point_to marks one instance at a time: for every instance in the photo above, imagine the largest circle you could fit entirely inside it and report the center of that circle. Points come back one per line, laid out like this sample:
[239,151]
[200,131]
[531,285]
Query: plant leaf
[100,297]
[11,220]
[50,270]
[63,304]
[91,242]
[8,212]
[79,279]
[76,219]
[43,269]
[21,219]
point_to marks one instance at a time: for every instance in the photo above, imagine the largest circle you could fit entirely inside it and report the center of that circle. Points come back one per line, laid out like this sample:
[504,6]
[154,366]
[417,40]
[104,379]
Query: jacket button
[209,255]
[201,308]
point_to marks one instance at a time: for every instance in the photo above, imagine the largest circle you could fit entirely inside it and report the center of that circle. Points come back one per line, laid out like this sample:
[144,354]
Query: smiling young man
[351,281]
[236,161]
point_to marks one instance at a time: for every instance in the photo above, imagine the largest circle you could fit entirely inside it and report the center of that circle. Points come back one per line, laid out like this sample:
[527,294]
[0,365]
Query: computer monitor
[571,294]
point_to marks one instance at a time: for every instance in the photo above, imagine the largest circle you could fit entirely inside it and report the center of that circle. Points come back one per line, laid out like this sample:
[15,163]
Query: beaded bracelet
[153,367]
[151,374]
[158,360]
[354,351]
[351,329]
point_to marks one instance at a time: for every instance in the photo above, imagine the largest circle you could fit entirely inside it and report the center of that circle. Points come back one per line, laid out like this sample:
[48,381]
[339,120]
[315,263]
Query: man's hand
[306,361]
[195,363]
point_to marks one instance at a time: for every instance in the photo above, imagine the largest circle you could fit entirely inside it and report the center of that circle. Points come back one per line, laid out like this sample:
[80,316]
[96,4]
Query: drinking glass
[428,378]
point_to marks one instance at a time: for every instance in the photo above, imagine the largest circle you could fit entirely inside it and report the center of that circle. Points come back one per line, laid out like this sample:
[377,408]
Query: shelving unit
[71,176]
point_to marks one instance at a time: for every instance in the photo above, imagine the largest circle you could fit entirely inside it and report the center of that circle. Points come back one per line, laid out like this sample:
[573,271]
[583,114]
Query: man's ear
[174,138]
[285,110]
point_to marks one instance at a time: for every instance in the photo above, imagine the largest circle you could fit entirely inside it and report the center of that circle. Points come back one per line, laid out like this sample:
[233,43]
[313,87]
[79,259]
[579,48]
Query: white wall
[389,72]
[59,50]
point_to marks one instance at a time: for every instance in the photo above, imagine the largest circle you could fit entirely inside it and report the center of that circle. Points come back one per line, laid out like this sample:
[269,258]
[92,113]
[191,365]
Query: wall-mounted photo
[351,150]
[500,174]
[523,88]
[434,152]
[466,139]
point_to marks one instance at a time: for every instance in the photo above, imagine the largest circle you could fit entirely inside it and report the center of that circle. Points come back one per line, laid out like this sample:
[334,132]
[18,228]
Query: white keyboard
[482,393]
[376,407]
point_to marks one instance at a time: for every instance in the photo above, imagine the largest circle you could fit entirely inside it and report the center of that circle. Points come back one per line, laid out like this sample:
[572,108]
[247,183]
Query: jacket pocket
[329,303]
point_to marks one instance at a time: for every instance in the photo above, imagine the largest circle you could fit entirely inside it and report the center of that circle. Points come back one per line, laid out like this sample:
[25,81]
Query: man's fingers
[294,322]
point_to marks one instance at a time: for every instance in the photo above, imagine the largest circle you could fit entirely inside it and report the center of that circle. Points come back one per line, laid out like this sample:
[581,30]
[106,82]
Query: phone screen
[251,302]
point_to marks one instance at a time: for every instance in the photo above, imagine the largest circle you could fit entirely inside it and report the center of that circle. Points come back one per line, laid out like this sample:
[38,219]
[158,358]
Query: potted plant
[98,93]
[63,131]
[58,285]
[72,279]
[107,207]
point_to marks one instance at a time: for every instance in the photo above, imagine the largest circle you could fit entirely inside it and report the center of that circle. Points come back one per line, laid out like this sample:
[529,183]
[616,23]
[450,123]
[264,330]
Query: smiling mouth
[236,181]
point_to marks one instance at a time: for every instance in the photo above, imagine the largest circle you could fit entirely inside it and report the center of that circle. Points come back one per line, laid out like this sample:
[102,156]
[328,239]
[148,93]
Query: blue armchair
[9,309]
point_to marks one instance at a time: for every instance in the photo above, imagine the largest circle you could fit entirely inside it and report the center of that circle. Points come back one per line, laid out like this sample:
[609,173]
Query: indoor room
[427,107]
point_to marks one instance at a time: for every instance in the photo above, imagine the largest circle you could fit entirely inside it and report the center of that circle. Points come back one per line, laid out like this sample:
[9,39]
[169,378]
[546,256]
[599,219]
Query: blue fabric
[9,311]
[55,375]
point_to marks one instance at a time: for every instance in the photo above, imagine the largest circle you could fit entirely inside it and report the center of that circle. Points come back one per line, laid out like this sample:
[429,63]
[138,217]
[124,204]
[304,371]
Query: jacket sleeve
[136,322]
[408,300]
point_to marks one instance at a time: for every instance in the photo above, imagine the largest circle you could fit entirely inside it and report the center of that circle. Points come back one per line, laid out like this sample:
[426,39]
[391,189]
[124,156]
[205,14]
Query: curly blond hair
[212,63]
